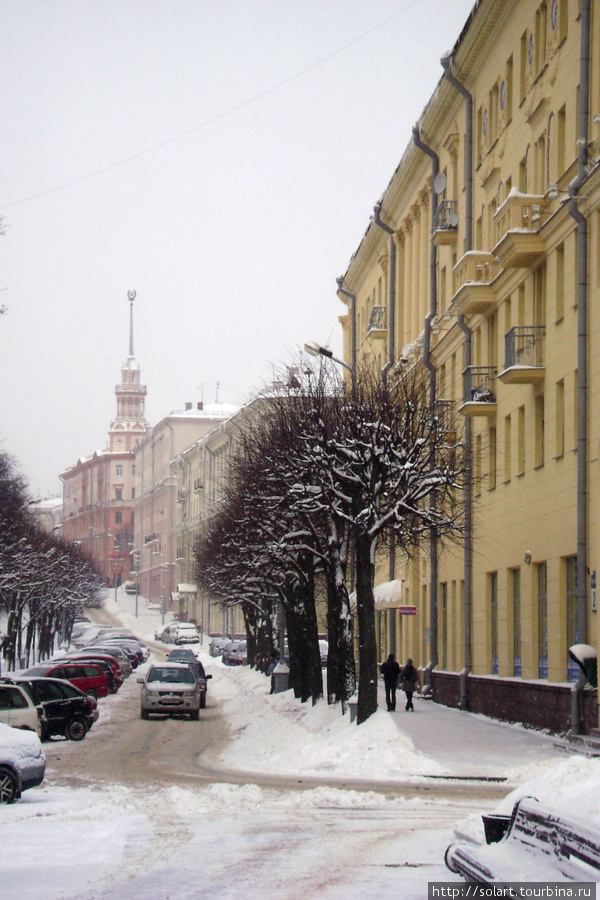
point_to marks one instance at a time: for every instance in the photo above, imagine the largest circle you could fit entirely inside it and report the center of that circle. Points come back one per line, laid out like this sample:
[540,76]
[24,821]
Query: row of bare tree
[324,473]
[44,581]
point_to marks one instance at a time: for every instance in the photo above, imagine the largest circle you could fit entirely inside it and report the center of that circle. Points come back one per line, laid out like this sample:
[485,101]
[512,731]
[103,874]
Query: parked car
[88,677]
[117,653]
[189,658]
[235,654]
[22,763]
[68,711]
[131,587]
[217,645]
[18,710]
[139,652]
[179,633]
[170,688]
[109,666]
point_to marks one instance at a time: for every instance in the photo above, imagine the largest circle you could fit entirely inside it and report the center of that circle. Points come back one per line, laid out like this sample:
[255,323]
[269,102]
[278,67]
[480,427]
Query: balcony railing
[472,278]
[524,355]
[516,224]
[445,223]
[377,319]
[479,384]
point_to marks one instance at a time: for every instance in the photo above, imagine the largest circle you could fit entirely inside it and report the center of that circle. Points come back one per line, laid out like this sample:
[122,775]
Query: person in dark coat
[410,679]
[390,671]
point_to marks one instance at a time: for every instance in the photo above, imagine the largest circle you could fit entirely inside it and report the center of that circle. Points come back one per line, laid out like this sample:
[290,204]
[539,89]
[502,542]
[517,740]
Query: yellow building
[482,264]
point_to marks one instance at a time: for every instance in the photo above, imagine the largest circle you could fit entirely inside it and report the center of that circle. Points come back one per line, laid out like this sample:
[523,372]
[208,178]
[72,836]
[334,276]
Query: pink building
[99,490]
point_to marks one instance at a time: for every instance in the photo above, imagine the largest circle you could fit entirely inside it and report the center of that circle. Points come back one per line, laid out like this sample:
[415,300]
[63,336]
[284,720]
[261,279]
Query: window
[118,493]
[477,465]
[516,605]
[560,282]
[560,418]
[118,517]
[523,65]
[493,587]
[444,587]
[133,493]
[572,636]
[119,471]
[492,457]
[561,141]
[133,469]
[542,616]
[541,34]
[540,430]
[521,441]
[507,448]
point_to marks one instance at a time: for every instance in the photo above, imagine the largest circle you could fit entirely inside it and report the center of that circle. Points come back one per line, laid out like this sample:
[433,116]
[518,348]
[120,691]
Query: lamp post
[315,349]
[163,567]
[114,566]
[135,558]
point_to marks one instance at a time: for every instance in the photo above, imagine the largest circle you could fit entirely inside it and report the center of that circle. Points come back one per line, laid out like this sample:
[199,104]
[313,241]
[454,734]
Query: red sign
[117,554]
[407,610]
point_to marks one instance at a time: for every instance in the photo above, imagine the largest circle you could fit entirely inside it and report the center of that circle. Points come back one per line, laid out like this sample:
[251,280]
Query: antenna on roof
[217,392]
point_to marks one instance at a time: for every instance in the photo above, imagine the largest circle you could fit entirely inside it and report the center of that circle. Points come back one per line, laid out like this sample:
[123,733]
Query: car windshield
[171,675]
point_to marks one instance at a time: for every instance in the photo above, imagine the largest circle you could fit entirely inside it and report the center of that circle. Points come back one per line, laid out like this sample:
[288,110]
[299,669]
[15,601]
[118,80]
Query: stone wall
[535,703]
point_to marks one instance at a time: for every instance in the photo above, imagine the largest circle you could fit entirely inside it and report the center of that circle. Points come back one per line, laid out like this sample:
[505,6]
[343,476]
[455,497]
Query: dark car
[235,654]
[68,710]
[86,676]
[117,653]
[190,659]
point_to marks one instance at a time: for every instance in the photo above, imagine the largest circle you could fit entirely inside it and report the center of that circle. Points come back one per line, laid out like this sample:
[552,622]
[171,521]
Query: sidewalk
[471,745]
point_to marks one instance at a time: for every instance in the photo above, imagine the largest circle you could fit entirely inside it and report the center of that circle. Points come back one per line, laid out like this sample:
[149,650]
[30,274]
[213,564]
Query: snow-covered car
[131,587]
[235,654]
[22,762]
[18,710]
[171,689]
[217,645]
[180,633]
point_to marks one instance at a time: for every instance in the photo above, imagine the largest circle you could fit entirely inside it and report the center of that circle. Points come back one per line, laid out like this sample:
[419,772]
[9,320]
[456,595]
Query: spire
[131,298]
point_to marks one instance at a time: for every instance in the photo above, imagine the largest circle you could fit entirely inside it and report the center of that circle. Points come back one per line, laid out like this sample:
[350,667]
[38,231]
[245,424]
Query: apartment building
[156,503]
[482,265]
[99,489]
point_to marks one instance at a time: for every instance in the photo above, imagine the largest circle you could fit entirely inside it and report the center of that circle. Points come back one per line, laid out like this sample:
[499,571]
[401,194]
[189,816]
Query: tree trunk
[367,644]
[341,671]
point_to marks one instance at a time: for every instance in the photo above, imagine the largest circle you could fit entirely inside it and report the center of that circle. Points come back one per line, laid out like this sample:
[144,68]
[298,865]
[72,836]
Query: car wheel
[203,701]
[91,693]
[75,730]
[195,715]
[144,713]
[9,785]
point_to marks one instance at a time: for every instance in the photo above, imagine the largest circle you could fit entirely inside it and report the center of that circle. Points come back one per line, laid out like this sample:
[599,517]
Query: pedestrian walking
[409,678]
[390,671]
[272,666]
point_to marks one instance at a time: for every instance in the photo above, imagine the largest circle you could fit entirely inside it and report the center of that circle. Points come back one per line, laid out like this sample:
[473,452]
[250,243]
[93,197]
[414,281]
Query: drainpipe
[386,369]
[468,554]
[582,348]
[433,538]
[391,293]
[352,298]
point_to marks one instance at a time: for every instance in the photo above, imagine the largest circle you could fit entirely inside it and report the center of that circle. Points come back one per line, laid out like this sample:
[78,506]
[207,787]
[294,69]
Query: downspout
[391,293]
[433,538]
[384,374]
[582,351]
[352,298]
[463,702]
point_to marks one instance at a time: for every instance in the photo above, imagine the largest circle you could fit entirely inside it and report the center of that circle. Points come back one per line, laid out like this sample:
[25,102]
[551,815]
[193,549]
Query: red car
[86,676]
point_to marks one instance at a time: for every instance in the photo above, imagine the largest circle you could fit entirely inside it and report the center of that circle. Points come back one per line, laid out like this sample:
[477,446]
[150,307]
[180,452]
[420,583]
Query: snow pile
[276,733]
[569,787]
[19,746]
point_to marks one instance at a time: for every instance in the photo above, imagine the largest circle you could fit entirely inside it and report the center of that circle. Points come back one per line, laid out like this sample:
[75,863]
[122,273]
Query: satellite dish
[439,183]
[453,220]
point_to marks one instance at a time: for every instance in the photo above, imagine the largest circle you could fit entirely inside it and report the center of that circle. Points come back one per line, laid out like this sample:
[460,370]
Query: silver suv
[170,689]
[18,709]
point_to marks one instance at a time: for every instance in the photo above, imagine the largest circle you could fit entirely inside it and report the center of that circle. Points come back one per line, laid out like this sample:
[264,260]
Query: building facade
[482,265]
[158,554]
[99,490]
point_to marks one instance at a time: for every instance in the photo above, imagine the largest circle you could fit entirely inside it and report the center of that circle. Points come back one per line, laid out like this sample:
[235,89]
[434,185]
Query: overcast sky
[221,158]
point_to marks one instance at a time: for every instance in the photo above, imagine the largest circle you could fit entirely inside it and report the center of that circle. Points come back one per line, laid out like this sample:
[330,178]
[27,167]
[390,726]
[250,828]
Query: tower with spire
[129,425]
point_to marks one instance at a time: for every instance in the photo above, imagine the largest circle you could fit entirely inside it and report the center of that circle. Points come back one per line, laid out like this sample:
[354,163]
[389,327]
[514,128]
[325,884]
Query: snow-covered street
[279,819]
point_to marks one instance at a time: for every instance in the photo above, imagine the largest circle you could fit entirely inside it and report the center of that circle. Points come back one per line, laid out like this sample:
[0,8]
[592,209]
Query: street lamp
[315,349]
[114,567]
[163,599]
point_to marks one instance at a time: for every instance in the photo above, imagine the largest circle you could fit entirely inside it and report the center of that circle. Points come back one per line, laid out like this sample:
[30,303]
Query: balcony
[473,274]
[377,322]
[479,389]
[445,224]
[524,355]
[182,495]
[517,223]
